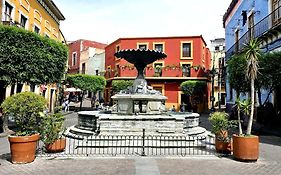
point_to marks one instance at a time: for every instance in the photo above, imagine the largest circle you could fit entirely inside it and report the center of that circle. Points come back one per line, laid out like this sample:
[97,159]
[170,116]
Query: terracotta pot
[223,147]
[222,134]
[23,148]
[57,146]
[246,148]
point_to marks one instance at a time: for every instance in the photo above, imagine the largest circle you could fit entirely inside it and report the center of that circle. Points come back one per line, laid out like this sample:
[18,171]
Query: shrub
[25,108]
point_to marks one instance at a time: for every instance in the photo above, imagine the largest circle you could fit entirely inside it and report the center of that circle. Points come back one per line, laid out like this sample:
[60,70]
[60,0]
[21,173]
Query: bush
[220,123]
[25,108]
[51,127]
[118,85]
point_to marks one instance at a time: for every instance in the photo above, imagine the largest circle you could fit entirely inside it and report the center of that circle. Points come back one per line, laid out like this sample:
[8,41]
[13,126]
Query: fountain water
[138,107]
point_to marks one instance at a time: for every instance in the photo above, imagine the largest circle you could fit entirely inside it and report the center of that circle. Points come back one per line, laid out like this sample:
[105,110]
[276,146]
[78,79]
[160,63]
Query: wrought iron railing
[259,29]
[135,145]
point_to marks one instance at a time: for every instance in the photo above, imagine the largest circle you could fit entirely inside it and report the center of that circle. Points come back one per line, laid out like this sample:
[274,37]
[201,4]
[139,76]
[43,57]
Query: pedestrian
[66,105]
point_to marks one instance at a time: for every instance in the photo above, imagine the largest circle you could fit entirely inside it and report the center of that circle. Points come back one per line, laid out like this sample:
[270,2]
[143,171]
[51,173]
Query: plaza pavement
[269,162]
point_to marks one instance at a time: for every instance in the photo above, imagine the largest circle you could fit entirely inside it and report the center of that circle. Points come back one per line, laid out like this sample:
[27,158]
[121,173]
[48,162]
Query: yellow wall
[37,15]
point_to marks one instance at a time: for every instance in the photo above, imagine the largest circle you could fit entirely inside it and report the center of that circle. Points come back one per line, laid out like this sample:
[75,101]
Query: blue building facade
[247,19]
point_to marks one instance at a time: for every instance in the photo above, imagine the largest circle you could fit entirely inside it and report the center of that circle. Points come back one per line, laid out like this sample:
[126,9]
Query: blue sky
[107,20]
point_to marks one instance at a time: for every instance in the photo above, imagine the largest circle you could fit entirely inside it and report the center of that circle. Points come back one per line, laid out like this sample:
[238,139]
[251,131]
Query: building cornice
[52,9]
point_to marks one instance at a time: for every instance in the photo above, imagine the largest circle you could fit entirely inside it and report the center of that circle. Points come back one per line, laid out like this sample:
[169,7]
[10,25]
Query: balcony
[168,72]
[266,27]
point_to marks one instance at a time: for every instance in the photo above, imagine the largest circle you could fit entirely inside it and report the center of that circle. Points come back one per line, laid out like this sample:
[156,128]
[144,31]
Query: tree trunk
[239,120]
[250,122]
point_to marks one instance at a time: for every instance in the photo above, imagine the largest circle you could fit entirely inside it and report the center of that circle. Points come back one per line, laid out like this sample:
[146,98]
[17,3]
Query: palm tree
[252,52]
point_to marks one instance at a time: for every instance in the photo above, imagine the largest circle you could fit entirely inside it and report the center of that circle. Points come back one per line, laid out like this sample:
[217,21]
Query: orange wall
[172,49]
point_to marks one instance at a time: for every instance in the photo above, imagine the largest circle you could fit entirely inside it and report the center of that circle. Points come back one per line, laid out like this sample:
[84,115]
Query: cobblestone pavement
[269,162]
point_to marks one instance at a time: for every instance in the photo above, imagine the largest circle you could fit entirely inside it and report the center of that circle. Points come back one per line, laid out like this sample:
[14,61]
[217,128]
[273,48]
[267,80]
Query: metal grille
[135,145]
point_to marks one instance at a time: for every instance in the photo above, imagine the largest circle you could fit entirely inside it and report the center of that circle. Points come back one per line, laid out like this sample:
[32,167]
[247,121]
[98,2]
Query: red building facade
[75,49]
[187,59]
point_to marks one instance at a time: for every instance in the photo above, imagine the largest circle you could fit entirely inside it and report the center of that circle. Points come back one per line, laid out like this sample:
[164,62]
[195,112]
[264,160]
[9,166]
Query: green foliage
[85,82]
[28,57]
[51,127]
[25,107]
[237,66]
[118,85]
[269,76]
[191,87]
[220,122]
[252,53]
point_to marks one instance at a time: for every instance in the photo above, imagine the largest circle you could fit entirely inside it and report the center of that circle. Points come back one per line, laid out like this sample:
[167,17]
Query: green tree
[85,82]
[191,87]
[252,53]
[26,57]
[118,85]
[269,76]
[236,68]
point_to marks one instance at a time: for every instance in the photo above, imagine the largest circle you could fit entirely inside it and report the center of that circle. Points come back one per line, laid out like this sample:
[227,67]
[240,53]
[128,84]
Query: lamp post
[213,89]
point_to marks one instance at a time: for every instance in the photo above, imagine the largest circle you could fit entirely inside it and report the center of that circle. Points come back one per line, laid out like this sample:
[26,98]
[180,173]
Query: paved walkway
[268,164]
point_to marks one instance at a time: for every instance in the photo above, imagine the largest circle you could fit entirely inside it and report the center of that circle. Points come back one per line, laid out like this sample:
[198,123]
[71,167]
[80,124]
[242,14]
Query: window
[83,68]
[236,40]
[217,48]
[251,25]
[159,47]
[8,12]
[74,59]
[36,29]
[23,21]
[117,49]
[186,50]
[97,72]
[142,46]
[158,69]
[276,7]
[185,70]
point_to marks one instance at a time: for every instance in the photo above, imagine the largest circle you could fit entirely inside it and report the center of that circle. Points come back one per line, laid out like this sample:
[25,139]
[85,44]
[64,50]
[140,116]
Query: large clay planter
[246,148]
[57,146]
[23,148]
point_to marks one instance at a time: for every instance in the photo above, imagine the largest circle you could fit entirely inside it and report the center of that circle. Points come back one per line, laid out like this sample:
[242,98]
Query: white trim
[252,11]
[46,21]
[3,9]
[26,16]
[55,33]
[26,8]
[37,11]
[46,34]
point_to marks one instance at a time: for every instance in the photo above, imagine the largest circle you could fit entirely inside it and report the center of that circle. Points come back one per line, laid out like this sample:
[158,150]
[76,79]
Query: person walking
[66,105]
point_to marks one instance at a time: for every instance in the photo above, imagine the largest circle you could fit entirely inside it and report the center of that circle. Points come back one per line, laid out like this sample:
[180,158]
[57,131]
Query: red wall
[201,56]
[76,47]
[172,49]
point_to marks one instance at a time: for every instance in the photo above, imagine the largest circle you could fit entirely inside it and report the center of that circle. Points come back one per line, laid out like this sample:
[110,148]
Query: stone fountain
[138,107]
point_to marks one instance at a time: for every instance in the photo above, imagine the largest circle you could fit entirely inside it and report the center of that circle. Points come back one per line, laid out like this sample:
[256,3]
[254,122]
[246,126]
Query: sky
[107,20]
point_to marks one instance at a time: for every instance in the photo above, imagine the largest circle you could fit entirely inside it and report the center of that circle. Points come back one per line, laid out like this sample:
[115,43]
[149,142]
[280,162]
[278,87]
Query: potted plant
[25,108]
[246,146]
[51,132]
[158,70]
[220,126]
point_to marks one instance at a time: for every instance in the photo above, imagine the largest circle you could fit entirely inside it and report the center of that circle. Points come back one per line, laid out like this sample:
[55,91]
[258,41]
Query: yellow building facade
[42,17]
